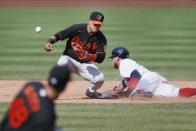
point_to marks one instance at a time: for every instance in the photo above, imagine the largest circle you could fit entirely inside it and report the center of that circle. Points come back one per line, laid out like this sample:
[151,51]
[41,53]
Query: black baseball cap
[97,17]
[59,77]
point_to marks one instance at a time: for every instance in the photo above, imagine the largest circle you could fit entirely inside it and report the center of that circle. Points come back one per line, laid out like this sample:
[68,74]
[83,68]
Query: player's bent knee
[63,60]
[100,77]
[99,84]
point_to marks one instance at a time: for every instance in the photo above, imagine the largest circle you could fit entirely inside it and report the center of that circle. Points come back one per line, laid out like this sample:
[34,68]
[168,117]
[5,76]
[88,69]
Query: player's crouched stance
[85,44]
[33,107]
[138,80]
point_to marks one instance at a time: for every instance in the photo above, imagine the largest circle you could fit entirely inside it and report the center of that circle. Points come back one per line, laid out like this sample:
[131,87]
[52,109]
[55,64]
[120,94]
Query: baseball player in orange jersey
[136,79]
[85,44]
[33,107]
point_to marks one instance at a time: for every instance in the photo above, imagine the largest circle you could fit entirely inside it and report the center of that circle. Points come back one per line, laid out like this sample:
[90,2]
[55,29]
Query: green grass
[161,39]
[124,117]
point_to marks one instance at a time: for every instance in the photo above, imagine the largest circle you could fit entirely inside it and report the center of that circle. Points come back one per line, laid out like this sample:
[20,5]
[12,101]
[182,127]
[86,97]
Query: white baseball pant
[88,71]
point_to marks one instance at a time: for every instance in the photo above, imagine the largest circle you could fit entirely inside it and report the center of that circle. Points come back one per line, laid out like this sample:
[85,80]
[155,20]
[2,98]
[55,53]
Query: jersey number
[18,113]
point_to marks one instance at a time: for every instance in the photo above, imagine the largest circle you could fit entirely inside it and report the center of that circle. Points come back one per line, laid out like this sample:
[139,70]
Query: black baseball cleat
[93,95]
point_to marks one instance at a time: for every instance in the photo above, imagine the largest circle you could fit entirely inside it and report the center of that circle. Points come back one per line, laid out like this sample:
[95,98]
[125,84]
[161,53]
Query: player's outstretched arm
[131,83]
[53,39]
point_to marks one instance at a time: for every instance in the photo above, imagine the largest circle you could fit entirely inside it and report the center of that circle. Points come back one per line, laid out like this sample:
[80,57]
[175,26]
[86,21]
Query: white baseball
[38,29]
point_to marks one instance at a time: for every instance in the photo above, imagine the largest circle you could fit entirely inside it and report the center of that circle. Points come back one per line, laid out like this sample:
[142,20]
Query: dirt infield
[98,3]
[75,93]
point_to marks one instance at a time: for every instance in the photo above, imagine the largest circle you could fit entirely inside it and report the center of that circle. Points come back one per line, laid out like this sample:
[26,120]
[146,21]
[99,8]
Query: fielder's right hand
[48,47]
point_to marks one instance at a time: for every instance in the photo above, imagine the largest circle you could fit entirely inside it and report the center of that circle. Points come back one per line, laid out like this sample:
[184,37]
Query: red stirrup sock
[187,91]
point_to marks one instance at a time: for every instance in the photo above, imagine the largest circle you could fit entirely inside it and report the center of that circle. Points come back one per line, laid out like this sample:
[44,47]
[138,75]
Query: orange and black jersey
[93,43]
[31,110]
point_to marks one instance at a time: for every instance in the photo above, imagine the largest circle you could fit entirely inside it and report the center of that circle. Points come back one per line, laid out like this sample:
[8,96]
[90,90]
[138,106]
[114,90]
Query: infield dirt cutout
[75,93]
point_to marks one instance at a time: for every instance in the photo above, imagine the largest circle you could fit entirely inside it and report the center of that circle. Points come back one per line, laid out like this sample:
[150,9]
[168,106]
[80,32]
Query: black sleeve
[101,48]
[68,32]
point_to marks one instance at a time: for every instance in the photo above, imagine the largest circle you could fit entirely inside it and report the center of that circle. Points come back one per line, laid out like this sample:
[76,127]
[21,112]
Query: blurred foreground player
[33,107]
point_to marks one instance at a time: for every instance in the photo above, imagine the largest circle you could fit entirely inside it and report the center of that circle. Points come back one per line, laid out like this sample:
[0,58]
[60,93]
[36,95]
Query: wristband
[51,40]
